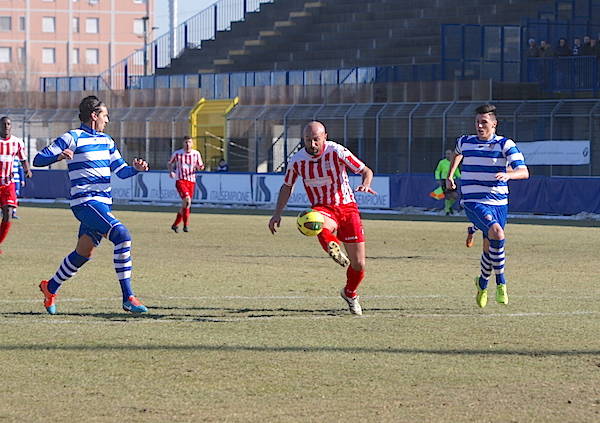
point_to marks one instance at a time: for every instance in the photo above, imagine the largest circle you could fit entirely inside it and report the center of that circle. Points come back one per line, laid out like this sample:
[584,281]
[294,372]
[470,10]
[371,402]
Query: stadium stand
[335,34]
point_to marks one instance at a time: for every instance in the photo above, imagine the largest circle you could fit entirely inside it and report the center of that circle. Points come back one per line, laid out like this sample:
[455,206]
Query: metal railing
[412,137]
[158,54]
[481,52]
[226,85]
[565,73]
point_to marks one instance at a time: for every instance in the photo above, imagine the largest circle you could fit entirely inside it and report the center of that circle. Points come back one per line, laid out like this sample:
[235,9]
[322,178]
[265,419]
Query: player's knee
[359,264]
[496,232]
[119,234]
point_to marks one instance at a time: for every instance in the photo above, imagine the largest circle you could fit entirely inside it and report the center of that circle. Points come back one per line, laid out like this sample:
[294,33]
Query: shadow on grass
[296,256]
[303,349]
[203,314]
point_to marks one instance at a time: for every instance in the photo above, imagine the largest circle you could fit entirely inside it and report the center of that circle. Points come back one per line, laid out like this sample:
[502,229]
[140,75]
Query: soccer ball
[310,222]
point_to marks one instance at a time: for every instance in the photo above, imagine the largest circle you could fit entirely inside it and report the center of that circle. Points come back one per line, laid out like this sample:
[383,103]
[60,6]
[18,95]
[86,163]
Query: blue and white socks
[498,259]
[67,269]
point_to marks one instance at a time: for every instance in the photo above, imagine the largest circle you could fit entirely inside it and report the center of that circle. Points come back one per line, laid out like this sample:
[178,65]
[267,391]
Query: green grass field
[247,327]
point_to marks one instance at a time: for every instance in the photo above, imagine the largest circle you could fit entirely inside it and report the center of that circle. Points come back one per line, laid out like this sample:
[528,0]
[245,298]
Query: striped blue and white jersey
[17,172]
[481,161]
[95,156]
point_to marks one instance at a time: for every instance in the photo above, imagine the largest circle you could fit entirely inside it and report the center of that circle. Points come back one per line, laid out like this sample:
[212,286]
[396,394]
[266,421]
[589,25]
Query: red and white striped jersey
[186,164]
[9,149]
[324,177]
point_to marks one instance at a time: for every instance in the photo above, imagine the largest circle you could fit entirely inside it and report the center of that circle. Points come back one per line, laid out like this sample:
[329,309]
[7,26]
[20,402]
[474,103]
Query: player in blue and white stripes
[19,180]
[92,156]
[484,188]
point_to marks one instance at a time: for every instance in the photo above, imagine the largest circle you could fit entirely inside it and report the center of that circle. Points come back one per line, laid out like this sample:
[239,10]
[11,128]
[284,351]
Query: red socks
[4,227]
[183,214]
[325,237]
[355,277]
[177,219]
[186,215]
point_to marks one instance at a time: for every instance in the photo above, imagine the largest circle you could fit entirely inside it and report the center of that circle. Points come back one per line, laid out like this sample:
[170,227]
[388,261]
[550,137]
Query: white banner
[555,152]
[235,188]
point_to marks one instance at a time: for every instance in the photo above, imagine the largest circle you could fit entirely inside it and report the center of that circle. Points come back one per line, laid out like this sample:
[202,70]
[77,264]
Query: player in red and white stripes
[11,147]
[183,165]
[322,166]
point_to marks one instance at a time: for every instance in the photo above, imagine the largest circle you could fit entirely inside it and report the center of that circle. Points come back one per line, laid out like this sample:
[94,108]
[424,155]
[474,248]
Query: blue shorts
[96,220]
[483,216]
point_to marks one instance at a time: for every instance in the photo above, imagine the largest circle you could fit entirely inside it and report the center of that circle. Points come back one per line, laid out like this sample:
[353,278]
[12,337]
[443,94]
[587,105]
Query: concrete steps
[294,34]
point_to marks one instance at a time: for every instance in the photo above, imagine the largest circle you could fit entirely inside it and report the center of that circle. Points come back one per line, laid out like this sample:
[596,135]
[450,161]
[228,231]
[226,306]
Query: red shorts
[347,219]
[8,195]
[185,188]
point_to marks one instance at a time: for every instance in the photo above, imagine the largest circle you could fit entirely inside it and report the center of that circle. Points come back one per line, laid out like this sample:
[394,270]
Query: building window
[5,23]
[93,1]
[138,26]
[48,56]
[75,25]
[21,54]
[92,25]
[75,56]
[5,53]
[5,84]
[92,56]
[139,1]
[21,23]
[48,24]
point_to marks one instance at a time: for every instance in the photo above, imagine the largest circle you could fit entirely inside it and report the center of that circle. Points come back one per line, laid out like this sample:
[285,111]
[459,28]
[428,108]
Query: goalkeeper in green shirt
[441,173]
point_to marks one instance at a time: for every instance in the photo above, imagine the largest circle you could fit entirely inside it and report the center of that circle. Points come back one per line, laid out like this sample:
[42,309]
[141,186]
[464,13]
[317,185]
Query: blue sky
[186,9]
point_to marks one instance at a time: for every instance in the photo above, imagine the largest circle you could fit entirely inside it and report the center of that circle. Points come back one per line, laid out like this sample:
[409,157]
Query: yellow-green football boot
[501,294]
[482,295]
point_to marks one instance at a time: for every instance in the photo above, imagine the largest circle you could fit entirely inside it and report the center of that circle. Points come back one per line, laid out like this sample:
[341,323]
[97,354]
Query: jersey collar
[88,129]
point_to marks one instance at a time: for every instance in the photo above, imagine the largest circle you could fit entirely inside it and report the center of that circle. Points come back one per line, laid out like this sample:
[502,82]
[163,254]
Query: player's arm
[119,167]
[200,163]
[24,170]
[367,179]
[456,159]
[60,149]
[521,172]
[171,167]
[437,173]
[516,161]
[284,195]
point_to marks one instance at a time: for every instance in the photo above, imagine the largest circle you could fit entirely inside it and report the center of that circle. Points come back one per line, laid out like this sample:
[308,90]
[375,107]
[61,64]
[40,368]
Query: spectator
[533,50]
[563,49]
[223,166]
[577,47]
[546,49]
[587,49]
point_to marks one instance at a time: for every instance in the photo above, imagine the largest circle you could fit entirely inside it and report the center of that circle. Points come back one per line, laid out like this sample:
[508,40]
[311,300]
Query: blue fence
[226,85]
[564,73]
[481,52]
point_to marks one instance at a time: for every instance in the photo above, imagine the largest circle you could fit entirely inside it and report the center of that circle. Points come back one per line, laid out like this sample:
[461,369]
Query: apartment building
[67,37]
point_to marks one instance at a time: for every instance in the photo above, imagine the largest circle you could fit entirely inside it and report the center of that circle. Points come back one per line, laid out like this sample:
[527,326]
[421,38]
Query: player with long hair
[92,157]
